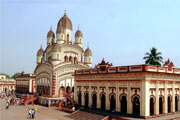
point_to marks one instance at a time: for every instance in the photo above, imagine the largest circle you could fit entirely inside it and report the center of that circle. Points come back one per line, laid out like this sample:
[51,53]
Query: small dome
[78,33]
[40,52]
[64,23]
[56,48]
[50,33]
[88,52]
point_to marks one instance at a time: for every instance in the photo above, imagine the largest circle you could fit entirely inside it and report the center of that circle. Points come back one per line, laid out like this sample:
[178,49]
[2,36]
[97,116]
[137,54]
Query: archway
[68,38]
[68,90]
[103,102]
[70,59]
[94,101]
[79,99]
[86,100]
[176,103]
[136,106]
[123,105]
[61,91]
[160,105]
[112,103]
[75,60]
[65,59]
[169,104]
[151,106]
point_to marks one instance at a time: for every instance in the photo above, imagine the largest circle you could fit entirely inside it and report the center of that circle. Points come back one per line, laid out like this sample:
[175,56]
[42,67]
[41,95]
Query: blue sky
[121,31]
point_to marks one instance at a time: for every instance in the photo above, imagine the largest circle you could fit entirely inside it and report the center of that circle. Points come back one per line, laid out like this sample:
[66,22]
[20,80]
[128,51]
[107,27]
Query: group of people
[31,113]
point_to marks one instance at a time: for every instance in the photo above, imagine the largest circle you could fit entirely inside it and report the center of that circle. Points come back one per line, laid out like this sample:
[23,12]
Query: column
[157,99]
[75,93]
[83,95]
[90,97]
[98,97]
[117,98]
[129,105]
[179,97]
[144,99]
[165,98]
[107,98]
[173,98]
[53,83]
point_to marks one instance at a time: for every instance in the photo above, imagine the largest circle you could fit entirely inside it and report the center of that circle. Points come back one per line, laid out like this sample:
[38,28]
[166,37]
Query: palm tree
[154,57]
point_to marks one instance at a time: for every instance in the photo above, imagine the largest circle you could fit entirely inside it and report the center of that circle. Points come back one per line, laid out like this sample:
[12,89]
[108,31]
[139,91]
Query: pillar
[117,98]
[157,98]
[98,98]
[144,99]
[75,93]
[53,83]
[129,105]
[107,97]
[165,98]
[173,98]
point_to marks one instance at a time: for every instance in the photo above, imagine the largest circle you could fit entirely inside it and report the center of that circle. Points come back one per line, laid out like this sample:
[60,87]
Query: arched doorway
[68,38]
[123,105]
[61,91]
[112,103]
[79,99]
[75,60]
[169,104]
[68,90]
[176,103]
[86,100]
[65,59]
[94,101]
[151,106]
[70,59]
[160,105]
[103,102]
[136,106]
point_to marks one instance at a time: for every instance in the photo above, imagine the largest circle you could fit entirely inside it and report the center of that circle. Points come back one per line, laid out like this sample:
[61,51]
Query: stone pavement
[20,113]
[53,113]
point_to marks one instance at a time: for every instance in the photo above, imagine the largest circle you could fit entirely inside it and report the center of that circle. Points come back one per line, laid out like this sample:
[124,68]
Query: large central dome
[64,23]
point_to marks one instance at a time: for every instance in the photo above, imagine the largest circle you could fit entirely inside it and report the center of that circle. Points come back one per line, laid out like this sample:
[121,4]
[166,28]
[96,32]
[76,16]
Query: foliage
[7,76]
[154,57]
[14,76]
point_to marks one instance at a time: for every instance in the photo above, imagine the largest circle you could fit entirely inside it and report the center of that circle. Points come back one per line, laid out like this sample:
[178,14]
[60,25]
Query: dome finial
[88,45]
[78,26]
[51,28]
[65,11]
[41,46]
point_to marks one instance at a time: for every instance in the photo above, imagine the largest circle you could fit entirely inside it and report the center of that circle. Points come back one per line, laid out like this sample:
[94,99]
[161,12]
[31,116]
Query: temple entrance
[103,102]
[160,105]
[136,106]
[86,100]
[169,104]
[79,99]
[94,101]
[112,103]
[176,104]
[151,106]
[123,105]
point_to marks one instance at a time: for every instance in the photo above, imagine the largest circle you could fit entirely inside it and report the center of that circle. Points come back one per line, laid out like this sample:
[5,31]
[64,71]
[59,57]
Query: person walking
[29,113]
[33,113]
[36,108]
[7,105]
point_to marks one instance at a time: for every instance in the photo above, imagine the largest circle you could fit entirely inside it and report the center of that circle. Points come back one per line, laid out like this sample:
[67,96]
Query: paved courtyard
[21,112]
[52,113]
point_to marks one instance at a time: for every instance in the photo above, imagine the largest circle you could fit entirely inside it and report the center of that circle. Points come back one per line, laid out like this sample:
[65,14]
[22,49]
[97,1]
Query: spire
[78,26]
[51,28]
[88,45]
[65,12]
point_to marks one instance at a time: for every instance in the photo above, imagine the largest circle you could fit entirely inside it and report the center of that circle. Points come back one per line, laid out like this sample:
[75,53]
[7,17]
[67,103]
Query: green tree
[14,76]
[154,57]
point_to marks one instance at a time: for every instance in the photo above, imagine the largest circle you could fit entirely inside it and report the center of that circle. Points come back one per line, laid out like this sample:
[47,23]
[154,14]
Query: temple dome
[64,23]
